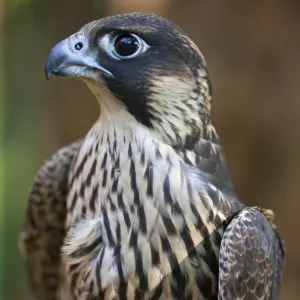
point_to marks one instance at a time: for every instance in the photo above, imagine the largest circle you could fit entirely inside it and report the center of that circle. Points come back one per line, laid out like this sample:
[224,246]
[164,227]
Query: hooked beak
[67,62]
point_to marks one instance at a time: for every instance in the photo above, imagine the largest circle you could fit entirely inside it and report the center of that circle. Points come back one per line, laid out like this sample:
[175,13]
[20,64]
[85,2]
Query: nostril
[79,46]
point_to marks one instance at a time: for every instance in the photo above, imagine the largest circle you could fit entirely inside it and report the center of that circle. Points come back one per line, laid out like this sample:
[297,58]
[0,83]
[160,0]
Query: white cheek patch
[173,102]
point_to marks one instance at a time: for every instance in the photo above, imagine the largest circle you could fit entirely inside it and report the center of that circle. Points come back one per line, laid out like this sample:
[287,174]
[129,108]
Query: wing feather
[44,226]
[251,258]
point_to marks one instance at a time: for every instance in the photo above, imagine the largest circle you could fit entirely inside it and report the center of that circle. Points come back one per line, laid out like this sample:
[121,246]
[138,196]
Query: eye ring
[131,45]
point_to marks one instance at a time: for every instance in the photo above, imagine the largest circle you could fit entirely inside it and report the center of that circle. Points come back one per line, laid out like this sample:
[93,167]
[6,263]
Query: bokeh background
[252,50]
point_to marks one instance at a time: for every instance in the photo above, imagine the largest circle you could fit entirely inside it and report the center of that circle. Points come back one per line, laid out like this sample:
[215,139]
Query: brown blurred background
[252,49]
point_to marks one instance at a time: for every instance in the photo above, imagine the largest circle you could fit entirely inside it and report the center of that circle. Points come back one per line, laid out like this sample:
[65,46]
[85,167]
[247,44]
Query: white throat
[114,117]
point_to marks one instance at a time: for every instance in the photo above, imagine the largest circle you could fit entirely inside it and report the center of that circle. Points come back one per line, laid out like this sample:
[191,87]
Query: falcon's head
[145,66]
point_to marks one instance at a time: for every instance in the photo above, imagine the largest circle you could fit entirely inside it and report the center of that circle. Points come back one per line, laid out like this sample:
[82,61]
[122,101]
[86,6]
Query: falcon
[143,206]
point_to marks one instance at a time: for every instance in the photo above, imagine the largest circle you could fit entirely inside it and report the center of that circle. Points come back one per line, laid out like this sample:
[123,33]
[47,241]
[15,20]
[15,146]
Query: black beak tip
[48,70]
[56,58]
[48,75]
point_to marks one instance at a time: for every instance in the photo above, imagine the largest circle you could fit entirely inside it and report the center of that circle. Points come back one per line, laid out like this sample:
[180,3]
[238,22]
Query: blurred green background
[252,49]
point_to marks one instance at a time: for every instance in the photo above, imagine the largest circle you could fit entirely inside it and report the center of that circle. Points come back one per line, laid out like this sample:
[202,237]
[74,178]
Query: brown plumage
[143,207]
[44,233]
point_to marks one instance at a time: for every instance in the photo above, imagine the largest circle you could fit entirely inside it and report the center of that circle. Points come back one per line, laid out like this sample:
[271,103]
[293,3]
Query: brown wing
[44,227]
[251,258]
[251,253]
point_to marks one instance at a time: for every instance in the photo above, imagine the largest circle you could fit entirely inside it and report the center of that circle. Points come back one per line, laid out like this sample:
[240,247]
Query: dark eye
[126,45]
